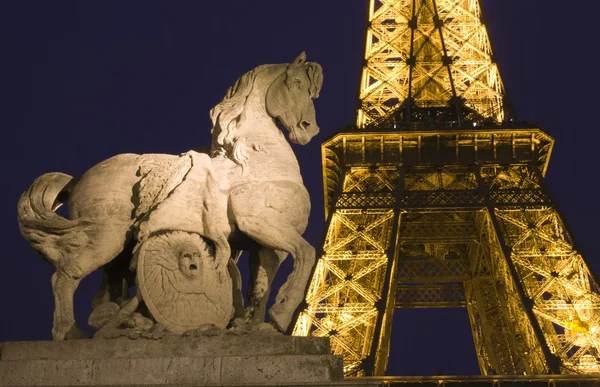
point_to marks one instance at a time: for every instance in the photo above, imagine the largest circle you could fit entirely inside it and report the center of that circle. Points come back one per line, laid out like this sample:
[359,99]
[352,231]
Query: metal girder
[347,283]
[430,296]
[350,278]
[493,149]
[436,199]
[428,61]
[481,381]
[557,282]
[504,339]
[505,256]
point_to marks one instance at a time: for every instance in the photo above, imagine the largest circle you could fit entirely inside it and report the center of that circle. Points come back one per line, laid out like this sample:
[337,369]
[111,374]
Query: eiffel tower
[436,198]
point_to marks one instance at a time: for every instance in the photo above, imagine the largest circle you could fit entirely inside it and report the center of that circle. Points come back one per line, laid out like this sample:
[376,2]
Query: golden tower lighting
[437,199]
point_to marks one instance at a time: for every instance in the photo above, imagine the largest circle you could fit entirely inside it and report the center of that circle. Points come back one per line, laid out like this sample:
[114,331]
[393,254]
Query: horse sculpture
[247,195]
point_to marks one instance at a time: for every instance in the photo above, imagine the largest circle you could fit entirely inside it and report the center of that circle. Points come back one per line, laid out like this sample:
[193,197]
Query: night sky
[82,81]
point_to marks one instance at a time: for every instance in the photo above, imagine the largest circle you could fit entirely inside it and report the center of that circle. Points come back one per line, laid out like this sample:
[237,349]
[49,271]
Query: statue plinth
[224,360]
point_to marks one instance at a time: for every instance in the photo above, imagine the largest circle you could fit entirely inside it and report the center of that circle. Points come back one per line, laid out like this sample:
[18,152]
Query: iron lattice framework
[428,61]
[426,210]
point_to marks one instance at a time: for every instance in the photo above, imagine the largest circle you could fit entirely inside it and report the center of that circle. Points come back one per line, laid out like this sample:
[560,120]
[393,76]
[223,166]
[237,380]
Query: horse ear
[300,59]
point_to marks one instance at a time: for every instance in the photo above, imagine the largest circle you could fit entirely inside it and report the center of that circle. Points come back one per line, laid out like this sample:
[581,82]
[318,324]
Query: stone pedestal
[225,360]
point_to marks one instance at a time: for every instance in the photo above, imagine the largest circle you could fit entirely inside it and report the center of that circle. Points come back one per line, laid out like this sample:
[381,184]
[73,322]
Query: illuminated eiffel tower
[437,199]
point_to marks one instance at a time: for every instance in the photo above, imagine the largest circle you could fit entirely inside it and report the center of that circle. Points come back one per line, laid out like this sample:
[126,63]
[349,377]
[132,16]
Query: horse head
[289,99]
[282,92]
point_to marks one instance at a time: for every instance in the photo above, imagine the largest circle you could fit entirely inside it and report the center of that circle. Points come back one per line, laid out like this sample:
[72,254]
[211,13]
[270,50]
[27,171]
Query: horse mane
[225,117]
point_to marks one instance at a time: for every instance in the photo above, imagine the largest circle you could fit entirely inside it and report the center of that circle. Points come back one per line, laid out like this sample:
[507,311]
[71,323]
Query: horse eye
[293,80]
[295,84]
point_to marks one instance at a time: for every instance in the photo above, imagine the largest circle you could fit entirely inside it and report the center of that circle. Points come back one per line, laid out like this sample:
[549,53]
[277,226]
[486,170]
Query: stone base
[225,360]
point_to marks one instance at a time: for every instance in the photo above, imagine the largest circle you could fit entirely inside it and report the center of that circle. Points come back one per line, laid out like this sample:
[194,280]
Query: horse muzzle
[303,132]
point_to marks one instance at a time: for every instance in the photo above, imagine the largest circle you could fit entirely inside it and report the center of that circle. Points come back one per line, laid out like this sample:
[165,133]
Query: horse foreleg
[264,263]
[291,293]
[272,230]
[236,285]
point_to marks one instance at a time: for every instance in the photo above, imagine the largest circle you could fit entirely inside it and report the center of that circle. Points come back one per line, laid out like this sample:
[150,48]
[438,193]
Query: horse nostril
[305,124]
[193,267]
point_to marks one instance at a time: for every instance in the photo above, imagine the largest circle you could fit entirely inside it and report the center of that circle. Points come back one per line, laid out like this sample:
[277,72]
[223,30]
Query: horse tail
[48,233]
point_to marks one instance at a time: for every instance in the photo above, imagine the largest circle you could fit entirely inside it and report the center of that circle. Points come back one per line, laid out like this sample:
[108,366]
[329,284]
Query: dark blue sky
[82,81]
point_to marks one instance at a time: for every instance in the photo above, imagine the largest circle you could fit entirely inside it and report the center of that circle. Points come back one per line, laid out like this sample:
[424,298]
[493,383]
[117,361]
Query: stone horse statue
[248,194]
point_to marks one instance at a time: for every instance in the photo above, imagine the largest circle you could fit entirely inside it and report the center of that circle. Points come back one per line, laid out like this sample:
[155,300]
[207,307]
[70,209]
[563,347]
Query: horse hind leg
[103,247]
[117,278]
[63,287]
[264,263]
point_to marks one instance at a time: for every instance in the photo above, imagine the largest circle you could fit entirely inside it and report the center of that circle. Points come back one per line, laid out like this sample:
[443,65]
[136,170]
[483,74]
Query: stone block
[130,371]
[44,372]
[60,372]
[198,371]
[172,361]
[240,370]
[172,346]
[14,373]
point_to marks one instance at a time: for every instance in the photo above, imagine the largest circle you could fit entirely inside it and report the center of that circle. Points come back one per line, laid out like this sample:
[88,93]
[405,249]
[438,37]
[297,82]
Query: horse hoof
[76,333]
[248,314]
[60,330]
[280,317]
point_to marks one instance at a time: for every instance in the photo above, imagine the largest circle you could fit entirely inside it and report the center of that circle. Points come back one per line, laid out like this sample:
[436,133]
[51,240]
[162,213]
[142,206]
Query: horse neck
[257,127]
[265,142]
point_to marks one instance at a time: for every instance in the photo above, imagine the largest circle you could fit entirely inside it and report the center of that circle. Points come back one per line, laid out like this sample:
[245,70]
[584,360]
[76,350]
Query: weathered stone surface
[280,369]
[199,370]
[135,371]
[103,314]
[60,372]
[224,360]
[169,346]
[15,373]
[137,321]
[181,283]
[164,209]
[226,371]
